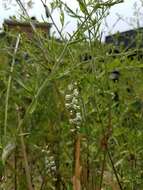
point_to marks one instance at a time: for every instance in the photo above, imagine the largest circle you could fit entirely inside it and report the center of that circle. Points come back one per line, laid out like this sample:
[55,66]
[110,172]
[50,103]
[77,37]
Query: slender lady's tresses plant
[72,100]
[72,103]
[50,165]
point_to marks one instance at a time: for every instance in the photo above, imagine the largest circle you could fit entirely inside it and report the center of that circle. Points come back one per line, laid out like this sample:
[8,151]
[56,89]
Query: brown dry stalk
[76,177]
[26,165]
[115,186]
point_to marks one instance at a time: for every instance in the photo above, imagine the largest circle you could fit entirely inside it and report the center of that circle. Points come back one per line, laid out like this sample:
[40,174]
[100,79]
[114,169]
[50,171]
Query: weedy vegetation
[71,115]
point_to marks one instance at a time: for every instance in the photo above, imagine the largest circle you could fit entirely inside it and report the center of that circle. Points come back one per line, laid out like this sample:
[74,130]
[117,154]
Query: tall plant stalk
[9,84]
[25,157]
[77,174]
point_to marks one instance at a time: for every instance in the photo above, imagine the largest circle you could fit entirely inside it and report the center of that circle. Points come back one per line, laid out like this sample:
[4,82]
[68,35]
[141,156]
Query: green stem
[9,85]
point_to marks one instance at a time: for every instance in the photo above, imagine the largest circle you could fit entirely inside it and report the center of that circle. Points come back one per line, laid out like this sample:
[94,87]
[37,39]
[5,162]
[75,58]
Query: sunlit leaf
[7,151]
[62,18]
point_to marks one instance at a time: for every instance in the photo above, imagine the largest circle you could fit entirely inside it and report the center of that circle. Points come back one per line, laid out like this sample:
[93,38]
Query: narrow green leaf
[62,18]
[23,85]
[82,6]
[32,107]
[119,162]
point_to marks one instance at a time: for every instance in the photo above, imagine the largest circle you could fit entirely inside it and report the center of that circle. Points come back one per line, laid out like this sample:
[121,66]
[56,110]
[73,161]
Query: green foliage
[39,143]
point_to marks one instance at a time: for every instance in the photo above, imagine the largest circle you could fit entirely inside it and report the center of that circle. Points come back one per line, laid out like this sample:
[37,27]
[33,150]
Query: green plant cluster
[40,79]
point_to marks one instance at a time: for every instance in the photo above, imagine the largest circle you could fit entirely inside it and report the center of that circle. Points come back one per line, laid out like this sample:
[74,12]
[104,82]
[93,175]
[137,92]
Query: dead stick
[23,147]
[27,170]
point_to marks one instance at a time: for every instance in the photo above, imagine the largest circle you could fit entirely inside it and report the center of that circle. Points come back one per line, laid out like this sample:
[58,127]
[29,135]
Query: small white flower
[74,101]
[71,113]
[72,130]
[51,158]
[68,106]
[77,122]
[78,127]
[75,92]
[52,163]
[53,168]
[47,146]
[76,107]
[78,114]
[54,179]
[78,118]
[68,97]
[70,87]
[71,121]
